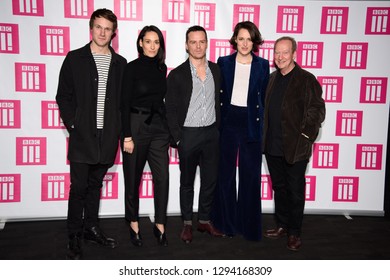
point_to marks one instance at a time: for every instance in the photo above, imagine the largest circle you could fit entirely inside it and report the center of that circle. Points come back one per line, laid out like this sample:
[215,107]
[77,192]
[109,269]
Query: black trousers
[151,145]
[199,146]
[84,196]
[288,184]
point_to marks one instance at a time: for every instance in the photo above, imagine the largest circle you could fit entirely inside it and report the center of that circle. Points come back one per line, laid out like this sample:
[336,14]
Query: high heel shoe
[135,238]
[161,237]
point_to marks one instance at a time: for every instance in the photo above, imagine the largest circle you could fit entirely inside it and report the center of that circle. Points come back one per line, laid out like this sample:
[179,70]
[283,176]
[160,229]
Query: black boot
[136,238]
[74,247]
[161,237]
[95,235]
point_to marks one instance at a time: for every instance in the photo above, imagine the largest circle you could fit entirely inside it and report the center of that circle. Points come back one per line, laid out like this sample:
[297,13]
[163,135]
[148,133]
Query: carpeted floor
[324,238]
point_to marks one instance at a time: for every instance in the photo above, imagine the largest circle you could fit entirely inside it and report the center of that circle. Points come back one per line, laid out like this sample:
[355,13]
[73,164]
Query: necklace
[244,61]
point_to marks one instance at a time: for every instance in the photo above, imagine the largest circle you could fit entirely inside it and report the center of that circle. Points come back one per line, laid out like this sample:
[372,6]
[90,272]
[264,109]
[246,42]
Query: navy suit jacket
[258,81]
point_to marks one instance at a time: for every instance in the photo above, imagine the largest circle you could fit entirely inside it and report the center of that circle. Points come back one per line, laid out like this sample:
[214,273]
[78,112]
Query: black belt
[199,127]
[140,112]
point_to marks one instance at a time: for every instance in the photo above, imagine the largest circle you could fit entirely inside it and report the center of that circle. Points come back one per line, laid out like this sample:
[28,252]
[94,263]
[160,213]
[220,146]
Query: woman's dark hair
[253,32]
[161,51]
[108,15]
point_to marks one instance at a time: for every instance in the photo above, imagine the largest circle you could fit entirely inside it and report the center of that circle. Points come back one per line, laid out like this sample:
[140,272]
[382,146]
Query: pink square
[10,113]
[176,11]
[30,77]
[204,14]
[54,40]
[9,38]
[332,88]
[243,12]
[377,21]
[146,188]
[290,19]
[51,115]
[55,186]
[325,155]
[10,188]
[27,8]
[131,10]
[78,9]
[110,186]
[309,54]
[369,156]
[173,156]
[30,150]
[266,187]
[334,20]
[353,55]
[345,189]
[219,47]
[310,188]
[266,51]
[349,123]
[373,90]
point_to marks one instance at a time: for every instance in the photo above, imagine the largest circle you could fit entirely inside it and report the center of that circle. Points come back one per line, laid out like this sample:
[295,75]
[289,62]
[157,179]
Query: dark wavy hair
[108,15]
[161,50]
[195,28]
[253,32]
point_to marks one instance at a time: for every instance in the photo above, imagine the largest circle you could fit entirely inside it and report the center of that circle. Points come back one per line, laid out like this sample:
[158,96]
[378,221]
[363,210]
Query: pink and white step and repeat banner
[344,43]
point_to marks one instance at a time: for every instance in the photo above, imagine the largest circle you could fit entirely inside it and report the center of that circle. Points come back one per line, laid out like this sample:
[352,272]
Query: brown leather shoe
[275,233]
[186,234]
[210,229]
[294,243]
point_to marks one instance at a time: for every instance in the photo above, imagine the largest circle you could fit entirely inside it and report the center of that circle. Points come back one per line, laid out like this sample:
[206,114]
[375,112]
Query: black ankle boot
[74,251]
[95,235]
[161,237]
[136,238]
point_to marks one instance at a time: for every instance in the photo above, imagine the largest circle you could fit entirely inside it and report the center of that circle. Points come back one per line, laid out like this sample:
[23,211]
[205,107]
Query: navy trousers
[237,210]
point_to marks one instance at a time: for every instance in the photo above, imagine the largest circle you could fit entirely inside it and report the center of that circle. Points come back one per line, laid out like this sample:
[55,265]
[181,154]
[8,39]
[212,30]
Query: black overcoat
[77,100]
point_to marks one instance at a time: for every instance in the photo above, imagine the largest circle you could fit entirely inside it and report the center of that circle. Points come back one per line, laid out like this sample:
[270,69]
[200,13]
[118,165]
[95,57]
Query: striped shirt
[102,62]
[201,111]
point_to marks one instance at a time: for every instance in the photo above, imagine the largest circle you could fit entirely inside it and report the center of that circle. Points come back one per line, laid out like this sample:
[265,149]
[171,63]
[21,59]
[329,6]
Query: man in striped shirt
[192,105]
[88,98]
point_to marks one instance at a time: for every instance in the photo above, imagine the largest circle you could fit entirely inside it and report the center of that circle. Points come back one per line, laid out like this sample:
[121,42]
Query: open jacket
[258,81]
[77,100]
[177,99]
[303,111]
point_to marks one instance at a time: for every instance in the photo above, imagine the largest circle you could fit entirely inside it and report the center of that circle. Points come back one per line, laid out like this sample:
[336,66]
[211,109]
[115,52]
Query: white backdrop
[344,43]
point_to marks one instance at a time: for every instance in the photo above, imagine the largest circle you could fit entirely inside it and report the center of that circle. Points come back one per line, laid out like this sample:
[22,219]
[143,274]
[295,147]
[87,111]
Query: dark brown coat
[303,111]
